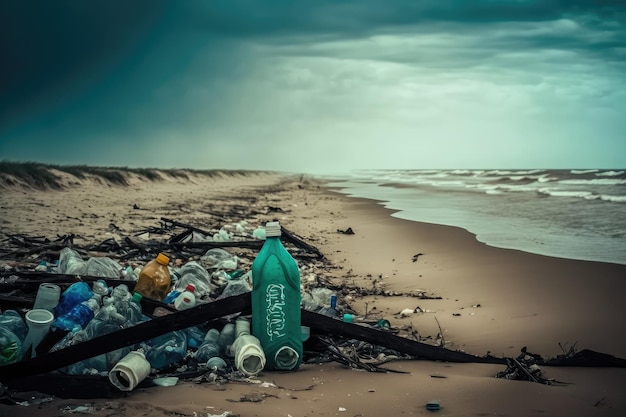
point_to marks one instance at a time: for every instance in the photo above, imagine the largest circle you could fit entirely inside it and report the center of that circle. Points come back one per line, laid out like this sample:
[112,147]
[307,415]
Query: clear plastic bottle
[209,347]
[187,299]
[276,301]
[134,313]
[227,337]
[166,350]
[194,273]
[154,279]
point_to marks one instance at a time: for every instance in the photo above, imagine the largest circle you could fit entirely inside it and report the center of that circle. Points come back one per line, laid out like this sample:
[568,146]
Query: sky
[318,86]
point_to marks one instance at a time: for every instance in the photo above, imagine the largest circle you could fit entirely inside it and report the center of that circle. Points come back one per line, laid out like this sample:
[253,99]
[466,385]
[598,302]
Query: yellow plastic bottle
[154,279]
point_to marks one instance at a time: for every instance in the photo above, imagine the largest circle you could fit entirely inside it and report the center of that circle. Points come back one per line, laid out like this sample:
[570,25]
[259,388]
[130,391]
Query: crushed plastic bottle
[12,320]
[195,274]
[236,287]
[166,350]
[72,296]
[10,347]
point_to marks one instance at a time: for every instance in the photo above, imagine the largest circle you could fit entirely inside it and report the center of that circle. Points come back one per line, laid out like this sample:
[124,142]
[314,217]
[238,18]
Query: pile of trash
[108,296]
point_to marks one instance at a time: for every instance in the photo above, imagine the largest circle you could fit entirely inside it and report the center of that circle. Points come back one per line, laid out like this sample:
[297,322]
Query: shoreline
[525,300]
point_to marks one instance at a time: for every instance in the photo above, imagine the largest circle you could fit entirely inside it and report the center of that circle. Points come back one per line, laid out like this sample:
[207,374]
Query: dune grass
[39,175]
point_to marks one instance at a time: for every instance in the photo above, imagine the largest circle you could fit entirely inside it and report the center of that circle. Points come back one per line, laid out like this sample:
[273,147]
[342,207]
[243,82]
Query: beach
[492,300]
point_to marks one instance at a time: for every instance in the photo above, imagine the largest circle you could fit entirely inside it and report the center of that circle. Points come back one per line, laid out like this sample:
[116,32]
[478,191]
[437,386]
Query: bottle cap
[190,287]
[272,229]
[162,259]
[136,298]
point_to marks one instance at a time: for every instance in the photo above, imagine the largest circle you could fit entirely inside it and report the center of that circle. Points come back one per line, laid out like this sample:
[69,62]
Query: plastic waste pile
[271,339]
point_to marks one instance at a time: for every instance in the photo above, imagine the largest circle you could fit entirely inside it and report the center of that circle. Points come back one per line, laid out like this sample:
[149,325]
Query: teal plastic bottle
[276,303]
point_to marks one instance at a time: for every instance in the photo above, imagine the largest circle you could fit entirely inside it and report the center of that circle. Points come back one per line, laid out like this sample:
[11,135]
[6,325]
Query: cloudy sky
[314,85]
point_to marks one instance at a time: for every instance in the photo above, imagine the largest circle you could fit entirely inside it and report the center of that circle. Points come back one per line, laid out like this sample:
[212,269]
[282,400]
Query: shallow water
[575,214]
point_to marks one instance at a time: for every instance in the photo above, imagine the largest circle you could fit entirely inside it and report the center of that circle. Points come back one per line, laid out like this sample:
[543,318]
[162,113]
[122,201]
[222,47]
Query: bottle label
[275,301]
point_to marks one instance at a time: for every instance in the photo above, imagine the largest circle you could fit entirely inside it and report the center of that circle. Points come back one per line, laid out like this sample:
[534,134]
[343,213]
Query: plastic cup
[38,321]
[130,371]
[47,296]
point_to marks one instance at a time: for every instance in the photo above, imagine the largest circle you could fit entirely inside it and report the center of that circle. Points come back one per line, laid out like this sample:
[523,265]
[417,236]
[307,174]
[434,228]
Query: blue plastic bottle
[72,296]
[79,316]
[276,303]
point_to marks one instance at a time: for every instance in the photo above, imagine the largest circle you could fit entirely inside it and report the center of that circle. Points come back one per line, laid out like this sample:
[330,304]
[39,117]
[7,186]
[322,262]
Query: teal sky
[314,86]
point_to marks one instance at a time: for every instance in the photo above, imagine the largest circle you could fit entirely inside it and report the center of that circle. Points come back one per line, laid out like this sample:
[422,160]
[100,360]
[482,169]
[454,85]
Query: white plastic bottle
[186,299]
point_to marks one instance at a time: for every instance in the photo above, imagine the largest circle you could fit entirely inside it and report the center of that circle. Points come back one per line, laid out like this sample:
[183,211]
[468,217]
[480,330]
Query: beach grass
[41,176]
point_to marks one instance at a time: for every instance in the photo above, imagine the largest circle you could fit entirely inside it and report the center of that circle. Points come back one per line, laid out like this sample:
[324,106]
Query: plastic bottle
[79,316]
[72,296]
[209,347]
[187,299]
[276,303]
[166,349]
[10,347]
[134,313]
[227,337]
[194,273]
[13,322]
[249,356]
[154,279]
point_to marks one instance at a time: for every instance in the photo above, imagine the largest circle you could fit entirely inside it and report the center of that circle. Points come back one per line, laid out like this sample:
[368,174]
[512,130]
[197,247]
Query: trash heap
[110,296]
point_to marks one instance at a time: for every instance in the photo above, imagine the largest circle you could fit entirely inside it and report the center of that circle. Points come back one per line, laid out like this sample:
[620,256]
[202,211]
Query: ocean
[574,214]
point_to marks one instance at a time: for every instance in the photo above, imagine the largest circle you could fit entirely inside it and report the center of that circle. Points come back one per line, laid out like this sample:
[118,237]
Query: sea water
[575,214]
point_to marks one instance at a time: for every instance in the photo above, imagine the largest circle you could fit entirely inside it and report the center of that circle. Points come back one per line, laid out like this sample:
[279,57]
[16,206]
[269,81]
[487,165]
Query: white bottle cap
[272,229]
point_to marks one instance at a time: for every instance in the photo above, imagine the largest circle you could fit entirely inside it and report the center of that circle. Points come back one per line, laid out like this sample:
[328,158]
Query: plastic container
[130,371]
[186,299]
[154,279]
[70,262]
[195,274]
[227,337]
[276,303]
[79,316]
[48,296]
[249,356]
[13,322]
[167,349]
[10,347]
[134,313]
[38,321]
[210,346]
[72,296]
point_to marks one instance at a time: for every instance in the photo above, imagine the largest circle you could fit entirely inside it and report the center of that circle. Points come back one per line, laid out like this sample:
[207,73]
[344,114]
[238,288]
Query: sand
[492,300]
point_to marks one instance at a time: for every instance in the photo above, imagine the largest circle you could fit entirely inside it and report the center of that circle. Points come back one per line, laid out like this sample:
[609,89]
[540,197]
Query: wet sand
[492,300]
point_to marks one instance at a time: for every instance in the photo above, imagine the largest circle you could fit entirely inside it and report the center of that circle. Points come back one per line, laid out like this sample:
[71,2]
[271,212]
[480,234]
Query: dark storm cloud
[124,69]
[48,47]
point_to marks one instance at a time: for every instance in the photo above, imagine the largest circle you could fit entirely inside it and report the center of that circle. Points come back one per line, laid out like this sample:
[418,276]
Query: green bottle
[276,303]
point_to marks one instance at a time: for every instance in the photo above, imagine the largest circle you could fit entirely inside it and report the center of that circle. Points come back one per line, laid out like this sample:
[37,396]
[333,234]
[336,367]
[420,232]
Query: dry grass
[40,176]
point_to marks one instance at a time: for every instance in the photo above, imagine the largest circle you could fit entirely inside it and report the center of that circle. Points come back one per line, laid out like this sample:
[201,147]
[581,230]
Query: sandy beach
[493,301]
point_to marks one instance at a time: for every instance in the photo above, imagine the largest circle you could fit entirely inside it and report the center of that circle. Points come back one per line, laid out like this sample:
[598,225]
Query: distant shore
[492,300]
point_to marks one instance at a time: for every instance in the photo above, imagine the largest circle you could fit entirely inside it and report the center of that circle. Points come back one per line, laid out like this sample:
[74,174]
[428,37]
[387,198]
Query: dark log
[328,325]
[186,226]
[292,238]
[586,357]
